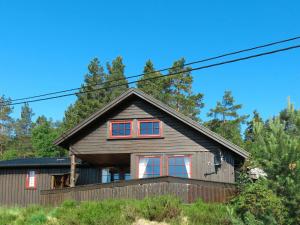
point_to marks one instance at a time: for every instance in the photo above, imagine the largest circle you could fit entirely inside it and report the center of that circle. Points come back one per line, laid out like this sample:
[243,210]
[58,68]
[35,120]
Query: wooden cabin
[143,147]
[21,180]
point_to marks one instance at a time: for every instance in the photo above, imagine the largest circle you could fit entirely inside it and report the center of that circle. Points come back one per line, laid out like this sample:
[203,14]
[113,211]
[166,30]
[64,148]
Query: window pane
[179,160]
[172,170]
[149,128]
[127,176]
[121,129]
[149,167]
[156,170]
[179,166]
[156,161]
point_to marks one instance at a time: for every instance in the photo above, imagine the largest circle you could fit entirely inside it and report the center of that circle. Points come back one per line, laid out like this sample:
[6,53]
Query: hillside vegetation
[162,210]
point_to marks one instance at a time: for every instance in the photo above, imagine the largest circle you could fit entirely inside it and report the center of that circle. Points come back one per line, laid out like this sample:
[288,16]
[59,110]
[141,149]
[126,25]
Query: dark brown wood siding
[14,192]
[177,138]
[187,190]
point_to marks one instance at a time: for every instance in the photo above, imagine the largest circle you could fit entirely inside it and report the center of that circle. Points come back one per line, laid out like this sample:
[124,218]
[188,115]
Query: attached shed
[21,180]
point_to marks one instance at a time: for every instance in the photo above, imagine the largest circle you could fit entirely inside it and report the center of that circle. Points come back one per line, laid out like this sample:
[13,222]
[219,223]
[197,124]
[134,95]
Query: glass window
[151,128]
[121,128]
[106,176]
[31,179]
[179,166]
[149,167]
[127,176]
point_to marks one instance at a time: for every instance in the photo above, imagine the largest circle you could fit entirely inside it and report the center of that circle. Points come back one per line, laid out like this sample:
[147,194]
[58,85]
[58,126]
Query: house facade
[134,147]
[136,136]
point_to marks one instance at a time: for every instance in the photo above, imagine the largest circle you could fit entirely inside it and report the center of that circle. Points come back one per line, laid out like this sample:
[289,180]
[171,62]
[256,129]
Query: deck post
[73,170]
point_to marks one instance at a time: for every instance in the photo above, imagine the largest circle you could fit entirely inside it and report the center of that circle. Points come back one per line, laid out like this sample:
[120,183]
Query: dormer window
[121,129]
[149,128]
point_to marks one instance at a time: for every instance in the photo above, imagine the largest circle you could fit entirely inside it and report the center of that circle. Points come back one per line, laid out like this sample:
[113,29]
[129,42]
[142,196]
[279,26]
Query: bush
[258,201]
[7,216]
[201,213]
[161,208]
[111,212]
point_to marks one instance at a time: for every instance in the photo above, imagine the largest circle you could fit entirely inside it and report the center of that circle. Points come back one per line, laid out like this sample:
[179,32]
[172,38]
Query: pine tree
[98,91]
[181,97]
[277,152]
[291,118]
[6,123]
[24,124]
[249,132]
[178,91]
[90,101]
[225,119]
[153,87]
[43,135]
[23,127]
[116,82]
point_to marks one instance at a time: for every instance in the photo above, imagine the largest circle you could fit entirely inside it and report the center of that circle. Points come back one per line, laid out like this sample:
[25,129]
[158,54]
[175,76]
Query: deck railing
[188,190]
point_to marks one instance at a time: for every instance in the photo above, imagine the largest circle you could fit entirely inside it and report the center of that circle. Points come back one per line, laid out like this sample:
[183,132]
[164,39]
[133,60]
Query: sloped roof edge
[216,137]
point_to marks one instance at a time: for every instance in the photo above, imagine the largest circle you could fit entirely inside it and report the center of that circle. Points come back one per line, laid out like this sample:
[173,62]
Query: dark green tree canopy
[43,135]
[154,87]
[6,122]
[24,124]
[225,119]
[175,91]
[96,91]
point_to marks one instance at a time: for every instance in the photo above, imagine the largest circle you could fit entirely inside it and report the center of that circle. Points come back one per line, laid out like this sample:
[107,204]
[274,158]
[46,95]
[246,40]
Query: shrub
[7,216]
[258,200]
[161,208]
[90,213]
[201,213]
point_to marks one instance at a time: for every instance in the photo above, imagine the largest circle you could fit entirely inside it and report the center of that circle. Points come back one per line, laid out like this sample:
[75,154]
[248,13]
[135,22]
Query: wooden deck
[188,190]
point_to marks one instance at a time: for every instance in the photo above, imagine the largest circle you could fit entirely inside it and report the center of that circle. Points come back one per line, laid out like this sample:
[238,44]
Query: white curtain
[31,181]
[187,162]
[105,175]
[142,166]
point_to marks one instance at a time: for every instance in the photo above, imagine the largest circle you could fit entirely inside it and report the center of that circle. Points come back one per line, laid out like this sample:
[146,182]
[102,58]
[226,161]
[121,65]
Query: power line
[167,75]
[165,69]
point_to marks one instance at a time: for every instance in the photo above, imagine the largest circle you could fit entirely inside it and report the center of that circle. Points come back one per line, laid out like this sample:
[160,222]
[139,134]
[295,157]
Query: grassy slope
[118,212]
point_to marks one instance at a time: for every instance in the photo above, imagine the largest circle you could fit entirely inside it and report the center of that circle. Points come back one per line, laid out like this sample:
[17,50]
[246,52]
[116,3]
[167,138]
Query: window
[179,166]
[150,128]
[106,176]
[149,166]
[31,180]
[119,129]
[60,180]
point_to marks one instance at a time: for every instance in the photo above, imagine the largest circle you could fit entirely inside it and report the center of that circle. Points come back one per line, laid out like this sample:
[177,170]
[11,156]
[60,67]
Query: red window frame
[149,156]
[179,156]
[27,180]
[149,135]
[120,122]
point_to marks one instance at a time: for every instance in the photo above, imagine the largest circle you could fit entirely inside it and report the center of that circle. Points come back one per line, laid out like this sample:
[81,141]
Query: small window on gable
[120,129]
[31,180]
[149,128]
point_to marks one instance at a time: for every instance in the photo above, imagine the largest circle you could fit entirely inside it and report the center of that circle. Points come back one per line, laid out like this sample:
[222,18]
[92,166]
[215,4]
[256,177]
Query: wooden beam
[73,170]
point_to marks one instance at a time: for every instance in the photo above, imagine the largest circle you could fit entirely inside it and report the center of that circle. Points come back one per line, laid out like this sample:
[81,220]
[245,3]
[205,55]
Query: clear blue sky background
[46,46]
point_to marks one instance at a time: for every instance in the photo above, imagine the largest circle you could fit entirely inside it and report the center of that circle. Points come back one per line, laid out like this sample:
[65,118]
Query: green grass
[118,212]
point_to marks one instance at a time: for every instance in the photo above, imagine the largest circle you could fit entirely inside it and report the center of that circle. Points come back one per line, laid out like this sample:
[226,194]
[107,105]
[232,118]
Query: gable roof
[63,139]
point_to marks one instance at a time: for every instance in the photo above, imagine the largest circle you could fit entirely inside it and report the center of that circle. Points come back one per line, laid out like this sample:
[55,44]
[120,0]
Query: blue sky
[46,46]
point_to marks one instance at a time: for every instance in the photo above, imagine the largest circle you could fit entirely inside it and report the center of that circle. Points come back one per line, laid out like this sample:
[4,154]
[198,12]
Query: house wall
[177,138]
[12,183]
